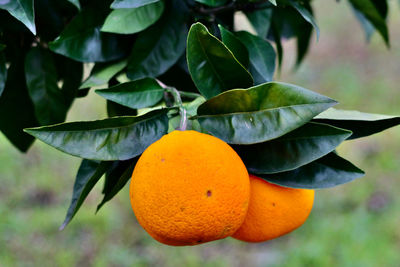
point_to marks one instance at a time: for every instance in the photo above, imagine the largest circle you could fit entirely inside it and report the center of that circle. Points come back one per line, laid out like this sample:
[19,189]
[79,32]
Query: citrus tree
[166,65]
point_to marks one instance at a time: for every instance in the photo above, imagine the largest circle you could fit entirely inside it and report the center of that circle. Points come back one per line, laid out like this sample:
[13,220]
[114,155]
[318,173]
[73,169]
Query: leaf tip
[29,130]
[63,225]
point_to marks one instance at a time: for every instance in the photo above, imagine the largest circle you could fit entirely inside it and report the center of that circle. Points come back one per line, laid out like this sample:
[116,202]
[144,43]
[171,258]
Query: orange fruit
[273,211]
[189,188]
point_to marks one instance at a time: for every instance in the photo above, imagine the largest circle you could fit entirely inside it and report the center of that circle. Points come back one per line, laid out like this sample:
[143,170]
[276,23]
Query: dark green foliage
[136,94]
[117,138]
[212,65]
[297,148]
[16,108]
[184,55]
[88,175]
[260,113]
[325,172]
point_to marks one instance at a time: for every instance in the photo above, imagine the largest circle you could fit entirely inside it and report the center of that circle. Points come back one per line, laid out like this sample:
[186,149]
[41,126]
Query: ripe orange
[189,188]
[274,211]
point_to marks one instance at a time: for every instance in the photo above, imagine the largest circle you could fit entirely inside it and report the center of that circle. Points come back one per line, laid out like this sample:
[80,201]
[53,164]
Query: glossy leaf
[131,3]
[3,72]
[133,20]
[71,73]
[136,94]
[16,108]
[287,23]
[117,138]
[370,12]
[261,21]
[297,148]
[303,43]
[325,172]
[82,40]
[260,113]
[22,10]
[160,46]
[115,109]
[41,79]
[262,57]
[116,179]
[306,14]
[235,45]
[89,173]
[361,124]
[212,2]
[102,73]
[213,67]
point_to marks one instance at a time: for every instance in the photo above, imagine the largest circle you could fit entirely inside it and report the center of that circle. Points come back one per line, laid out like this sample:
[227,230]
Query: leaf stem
[177,101]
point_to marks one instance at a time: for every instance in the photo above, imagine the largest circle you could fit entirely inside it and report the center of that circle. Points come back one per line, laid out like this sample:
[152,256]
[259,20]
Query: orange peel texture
[189,188]
[274,211]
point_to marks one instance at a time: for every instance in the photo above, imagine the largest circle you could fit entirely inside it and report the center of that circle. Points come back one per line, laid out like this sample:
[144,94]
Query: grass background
[356,224]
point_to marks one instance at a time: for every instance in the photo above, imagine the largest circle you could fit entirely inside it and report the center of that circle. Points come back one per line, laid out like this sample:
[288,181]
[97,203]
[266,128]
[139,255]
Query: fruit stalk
[178,102]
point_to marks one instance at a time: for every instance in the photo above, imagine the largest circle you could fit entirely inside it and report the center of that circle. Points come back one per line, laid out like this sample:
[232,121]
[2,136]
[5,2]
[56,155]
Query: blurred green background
[356,224]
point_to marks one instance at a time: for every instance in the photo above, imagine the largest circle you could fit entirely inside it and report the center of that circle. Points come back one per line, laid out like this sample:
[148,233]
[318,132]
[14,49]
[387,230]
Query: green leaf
[361,124]
[75,3]
[131,3]
[178,76]
[41,79]
[117,138]
[71,73]
[82,40]
[213,67]
[325,172]
[276,35]
[373,15]
[261,21]
[297,148]
[272,2]
[287,22]
[102,73]
[22,10]
[51,18]
[114,110]
[212,2]
[132,20]
[235,45]
[303,43]
[369,29]
[3,72]
[260,113]
[136,94]
[88,175]
[116,179]
[262,57]
[159,47]
[306,14]
[366,25]
[16,108]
